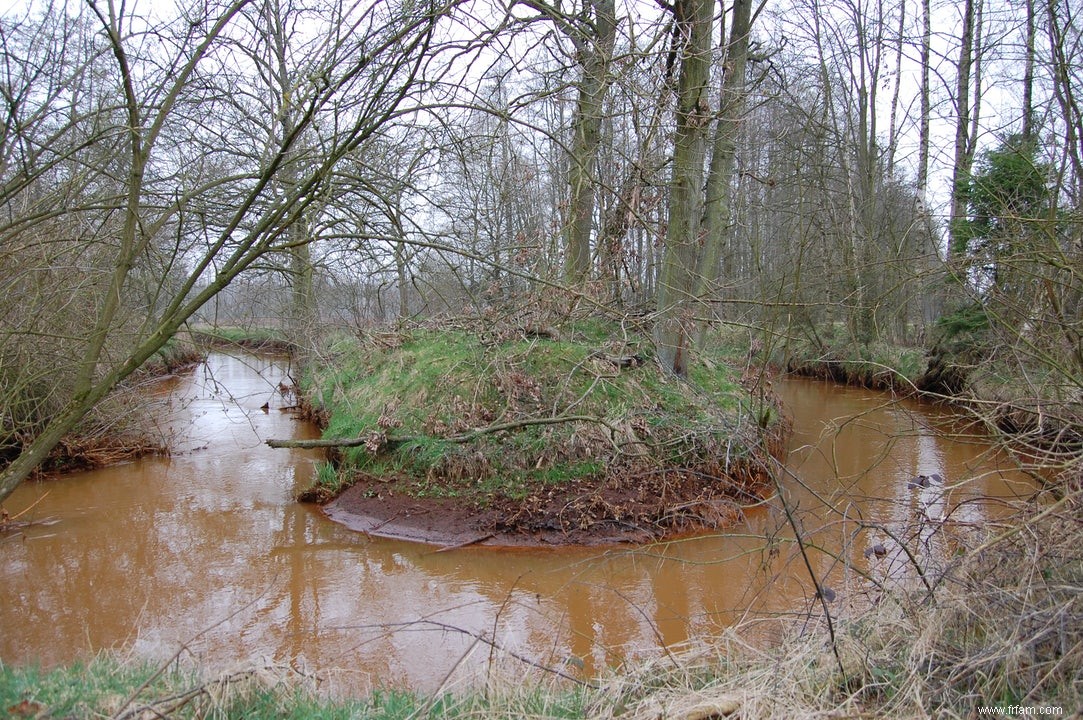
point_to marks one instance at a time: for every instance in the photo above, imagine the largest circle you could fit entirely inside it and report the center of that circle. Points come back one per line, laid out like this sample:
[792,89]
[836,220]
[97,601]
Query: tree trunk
[893,130]
[720,178]
[595,52]
[1028,73]
[302,302]
[963,142]
[677,281]
[931,285]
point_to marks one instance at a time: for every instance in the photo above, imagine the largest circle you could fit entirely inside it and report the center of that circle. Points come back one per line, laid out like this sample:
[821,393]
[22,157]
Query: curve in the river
[207,550]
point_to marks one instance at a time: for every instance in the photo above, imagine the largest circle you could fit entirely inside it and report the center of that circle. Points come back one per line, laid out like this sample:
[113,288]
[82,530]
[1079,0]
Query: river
[205,553]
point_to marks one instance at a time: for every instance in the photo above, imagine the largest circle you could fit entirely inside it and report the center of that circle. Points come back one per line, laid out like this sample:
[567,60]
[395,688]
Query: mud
[623,507]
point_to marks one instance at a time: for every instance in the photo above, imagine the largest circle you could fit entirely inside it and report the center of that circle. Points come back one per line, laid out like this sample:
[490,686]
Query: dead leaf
[27,708]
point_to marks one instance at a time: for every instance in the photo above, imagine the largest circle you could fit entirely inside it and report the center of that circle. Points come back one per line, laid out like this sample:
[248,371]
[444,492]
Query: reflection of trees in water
[855,463]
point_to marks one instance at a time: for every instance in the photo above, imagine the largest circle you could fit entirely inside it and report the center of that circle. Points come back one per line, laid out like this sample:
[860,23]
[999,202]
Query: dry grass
[1003,627]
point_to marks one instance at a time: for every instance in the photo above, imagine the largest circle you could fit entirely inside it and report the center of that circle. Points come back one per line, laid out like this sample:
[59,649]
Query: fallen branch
[465,543]
[392,441]
[620,361]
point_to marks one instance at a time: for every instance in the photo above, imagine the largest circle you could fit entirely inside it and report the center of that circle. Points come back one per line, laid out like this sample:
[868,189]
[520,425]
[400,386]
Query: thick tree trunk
[720,178]
[674,330]
[303,310]
[596,52]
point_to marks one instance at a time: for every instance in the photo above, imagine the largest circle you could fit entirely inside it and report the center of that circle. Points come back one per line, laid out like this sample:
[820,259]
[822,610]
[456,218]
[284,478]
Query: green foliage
[1010,185]
[1007,197]
[966,320]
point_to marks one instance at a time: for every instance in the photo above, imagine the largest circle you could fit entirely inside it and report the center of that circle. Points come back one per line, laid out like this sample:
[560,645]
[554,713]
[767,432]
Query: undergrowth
[832,354]
[115,430]
[252,338]
[1001,628]
[467,412]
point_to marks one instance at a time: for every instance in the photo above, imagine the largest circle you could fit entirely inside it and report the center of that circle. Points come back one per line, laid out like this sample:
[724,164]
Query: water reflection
[205,552]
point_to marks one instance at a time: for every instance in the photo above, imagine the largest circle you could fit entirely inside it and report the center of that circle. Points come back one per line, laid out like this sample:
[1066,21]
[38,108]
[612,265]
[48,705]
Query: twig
[463,438]
[820,594]
[27,509]
[481,638]
[465,543]
[184,646]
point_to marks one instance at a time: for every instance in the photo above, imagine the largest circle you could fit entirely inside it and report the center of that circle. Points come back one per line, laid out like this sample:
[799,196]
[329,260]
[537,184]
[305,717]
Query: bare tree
[185,194]
[720,177]
[592,31]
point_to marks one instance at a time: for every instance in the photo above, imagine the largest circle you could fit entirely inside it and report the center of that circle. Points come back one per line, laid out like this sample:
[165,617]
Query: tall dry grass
[1003,626]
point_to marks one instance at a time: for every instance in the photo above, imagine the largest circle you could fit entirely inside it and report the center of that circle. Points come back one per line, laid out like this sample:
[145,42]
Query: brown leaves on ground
[27,709]
[518,387]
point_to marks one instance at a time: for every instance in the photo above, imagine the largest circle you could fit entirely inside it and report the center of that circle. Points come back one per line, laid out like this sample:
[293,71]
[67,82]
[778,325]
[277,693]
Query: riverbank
[387,609]
[571,434]
[115,430]
[1028,400]
[876,366]
[253,339]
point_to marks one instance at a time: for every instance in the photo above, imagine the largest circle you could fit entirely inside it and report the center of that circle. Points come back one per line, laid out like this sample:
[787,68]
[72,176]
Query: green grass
[432,387]
[78,690]
[106,687]
[253,337]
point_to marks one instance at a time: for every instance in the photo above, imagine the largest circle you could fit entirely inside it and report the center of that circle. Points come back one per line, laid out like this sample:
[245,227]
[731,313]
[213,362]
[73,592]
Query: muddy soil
[624,507]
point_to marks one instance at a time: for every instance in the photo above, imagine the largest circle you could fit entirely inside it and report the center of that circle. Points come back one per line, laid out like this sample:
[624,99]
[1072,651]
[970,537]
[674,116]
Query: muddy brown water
[205,554]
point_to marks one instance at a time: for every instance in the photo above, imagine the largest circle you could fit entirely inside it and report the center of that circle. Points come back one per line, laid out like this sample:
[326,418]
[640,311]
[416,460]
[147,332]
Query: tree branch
[463,438]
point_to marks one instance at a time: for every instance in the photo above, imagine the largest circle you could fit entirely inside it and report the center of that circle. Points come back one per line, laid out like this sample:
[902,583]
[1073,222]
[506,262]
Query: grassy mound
[560,428]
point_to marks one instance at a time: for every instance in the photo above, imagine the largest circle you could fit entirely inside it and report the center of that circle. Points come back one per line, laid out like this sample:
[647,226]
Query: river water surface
[206,553]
